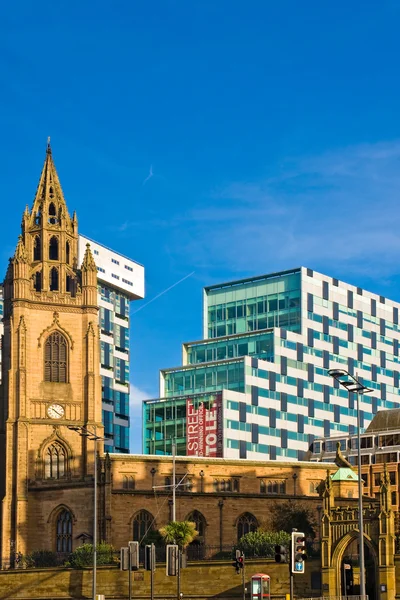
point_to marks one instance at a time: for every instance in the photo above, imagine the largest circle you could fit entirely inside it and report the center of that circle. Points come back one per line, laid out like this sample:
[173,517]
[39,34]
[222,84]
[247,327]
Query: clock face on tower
[55,411]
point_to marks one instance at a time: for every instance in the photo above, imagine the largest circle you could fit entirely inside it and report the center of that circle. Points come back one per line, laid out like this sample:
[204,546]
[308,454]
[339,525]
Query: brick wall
[199,580]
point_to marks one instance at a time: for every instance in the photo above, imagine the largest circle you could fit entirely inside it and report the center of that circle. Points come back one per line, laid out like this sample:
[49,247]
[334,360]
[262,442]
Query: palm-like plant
[181,533]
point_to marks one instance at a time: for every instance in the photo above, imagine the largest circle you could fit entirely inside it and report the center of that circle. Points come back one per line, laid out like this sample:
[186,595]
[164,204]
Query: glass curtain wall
[207,378]
[165,420]
[246,307]
[259,345]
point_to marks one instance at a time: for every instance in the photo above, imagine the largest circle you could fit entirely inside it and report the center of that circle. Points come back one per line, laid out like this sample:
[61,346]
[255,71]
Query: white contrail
[164,292]
[150,175]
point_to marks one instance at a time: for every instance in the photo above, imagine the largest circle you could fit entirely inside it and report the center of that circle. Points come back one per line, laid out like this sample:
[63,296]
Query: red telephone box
[260,587]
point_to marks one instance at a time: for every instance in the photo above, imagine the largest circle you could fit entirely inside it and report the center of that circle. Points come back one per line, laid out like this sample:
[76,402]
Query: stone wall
[199,580]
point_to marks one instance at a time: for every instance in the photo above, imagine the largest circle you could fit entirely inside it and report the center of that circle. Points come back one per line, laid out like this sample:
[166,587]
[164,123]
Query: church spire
[49,196]
[49,241]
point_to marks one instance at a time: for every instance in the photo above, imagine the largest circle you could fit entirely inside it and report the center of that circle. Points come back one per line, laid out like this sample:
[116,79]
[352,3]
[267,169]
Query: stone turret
[89,278]
[20,271]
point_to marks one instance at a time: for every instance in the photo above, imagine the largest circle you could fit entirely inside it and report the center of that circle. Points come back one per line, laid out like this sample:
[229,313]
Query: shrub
[83,555]
[262,543]
[41,558]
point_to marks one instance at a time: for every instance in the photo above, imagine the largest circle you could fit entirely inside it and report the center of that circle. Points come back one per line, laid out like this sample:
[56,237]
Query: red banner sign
[204,428]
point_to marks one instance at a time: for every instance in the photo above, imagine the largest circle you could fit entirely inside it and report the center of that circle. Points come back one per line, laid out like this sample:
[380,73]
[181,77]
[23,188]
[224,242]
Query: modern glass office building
[259,379]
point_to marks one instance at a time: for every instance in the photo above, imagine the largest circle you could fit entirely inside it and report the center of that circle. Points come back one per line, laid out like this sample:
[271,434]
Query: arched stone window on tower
[37,282]
[67,253]
[143,523]
[54,279]
[55,461]
[53,248]
[246,523]
[37,248]
[52,214]
[64,531]
[56,358]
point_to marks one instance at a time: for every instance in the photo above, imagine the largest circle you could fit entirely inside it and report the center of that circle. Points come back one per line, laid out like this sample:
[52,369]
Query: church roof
[344,474]
[385,419]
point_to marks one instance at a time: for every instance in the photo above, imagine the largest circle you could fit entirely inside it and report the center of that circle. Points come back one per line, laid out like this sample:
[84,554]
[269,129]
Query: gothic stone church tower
[50,379]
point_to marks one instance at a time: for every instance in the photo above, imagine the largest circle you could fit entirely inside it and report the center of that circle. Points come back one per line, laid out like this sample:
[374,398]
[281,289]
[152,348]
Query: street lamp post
[353,385]
[92,435]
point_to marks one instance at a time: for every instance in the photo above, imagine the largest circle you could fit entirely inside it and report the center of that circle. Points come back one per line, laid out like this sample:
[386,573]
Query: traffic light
[150,557]
[172,560]
[134,552]
[281,554]
[124,559]
[298,552]
[238,563]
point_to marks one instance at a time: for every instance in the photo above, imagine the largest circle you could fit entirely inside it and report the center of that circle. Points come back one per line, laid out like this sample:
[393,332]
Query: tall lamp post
[92,435]
[353,385]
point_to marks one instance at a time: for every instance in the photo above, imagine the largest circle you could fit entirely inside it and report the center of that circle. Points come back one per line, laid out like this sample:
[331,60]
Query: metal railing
[194,553]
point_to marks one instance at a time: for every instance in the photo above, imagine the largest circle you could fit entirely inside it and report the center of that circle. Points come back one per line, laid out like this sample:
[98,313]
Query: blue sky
[271,129]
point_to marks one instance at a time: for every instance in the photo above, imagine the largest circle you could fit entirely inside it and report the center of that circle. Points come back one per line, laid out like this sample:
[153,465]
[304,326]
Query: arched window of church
[67,252]
[64,531]
[38,281]
[53,248]
[37,249]
[246,523]
[198,519]
[143,523]
[55,462]
[56,358]
[53,279]
[52,214]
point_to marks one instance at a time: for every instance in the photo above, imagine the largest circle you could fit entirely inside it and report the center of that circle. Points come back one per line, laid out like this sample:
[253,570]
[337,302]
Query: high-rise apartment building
[120,280]
[257,385]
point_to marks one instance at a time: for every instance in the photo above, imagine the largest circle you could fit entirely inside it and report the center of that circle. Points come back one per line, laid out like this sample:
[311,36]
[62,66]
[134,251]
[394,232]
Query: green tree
[262,543]
[181,533]
[285,516]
